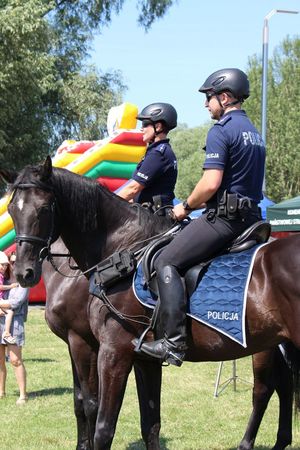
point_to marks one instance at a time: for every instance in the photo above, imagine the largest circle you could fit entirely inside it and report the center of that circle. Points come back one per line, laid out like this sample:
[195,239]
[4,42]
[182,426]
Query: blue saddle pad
[219,300]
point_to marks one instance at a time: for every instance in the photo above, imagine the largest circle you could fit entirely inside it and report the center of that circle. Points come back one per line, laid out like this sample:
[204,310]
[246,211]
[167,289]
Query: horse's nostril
[29,274]
[27,277]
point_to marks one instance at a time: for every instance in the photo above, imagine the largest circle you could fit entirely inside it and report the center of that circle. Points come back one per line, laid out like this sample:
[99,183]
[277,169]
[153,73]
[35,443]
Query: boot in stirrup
[165,350]
[172,312]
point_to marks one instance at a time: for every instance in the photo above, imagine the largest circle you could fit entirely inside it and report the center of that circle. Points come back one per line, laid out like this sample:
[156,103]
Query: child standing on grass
[4,263]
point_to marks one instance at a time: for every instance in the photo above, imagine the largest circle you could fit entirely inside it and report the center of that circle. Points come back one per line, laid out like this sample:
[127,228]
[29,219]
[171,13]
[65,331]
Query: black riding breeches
[200,240]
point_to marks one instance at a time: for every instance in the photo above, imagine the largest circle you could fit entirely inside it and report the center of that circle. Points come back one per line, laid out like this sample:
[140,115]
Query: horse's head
[32,208]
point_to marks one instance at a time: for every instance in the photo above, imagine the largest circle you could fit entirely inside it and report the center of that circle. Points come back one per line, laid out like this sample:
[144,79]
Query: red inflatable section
[37,294]
[112,183]
[128,138]
[10,249]
[81,147]
[75,147]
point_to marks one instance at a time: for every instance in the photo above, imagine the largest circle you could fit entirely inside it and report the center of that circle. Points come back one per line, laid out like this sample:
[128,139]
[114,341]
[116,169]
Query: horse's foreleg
[263,372]
[284,389]
[82,430]
[84,365]
[114,366]
[148,382]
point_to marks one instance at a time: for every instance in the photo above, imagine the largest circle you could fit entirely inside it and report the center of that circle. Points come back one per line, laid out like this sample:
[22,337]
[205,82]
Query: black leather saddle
[258,233]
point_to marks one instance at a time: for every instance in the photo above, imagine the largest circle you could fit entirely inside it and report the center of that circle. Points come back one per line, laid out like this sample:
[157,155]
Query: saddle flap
[193,275]
[151,253]
[258,233]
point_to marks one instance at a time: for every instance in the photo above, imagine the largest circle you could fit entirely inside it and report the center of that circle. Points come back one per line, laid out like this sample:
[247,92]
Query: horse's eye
[43,211]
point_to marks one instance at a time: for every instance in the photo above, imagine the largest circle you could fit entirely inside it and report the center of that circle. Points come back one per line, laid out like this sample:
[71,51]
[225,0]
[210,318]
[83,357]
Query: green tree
[47,91]
[188,146]
[26,74]
[283,132]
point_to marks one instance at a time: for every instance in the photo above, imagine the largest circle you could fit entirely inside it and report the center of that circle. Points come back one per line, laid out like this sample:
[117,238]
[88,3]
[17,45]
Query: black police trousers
[202,239]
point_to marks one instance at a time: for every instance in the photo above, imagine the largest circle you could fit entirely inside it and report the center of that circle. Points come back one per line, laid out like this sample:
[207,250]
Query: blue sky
[195,38]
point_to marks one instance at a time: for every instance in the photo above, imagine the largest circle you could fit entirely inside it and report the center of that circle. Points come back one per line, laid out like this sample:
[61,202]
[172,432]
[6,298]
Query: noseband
[45,251]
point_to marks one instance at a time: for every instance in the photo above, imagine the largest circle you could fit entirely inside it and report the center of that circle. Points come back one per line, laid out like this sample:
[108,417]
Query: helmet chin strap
[235,102]
[156,133]
[223,107]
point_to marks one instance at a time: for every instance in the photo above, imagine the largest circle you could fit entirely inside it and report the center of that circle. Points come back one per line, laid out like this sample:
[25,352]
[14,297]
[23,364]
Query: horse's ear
[8,176]
[47,169]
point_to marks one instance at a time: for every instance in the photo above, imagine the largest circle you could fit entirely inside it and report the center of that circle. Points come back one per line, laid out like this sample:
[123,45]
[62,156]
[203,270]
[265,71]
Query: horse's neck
[89,246]
[120,225]
[134,231]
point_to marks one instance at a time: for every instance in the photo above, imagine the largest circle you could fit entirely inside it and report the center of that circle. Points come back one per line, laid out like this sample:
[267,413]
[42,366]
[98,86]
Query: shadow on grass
[42,360]
[260,447]
[140,445]
[53,391]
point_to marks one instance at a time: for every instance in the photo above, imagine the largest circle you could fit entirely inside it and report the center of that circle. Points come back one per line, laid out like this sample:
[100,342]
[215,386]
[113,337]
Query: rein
[138,253]
[113,309]
[45,252]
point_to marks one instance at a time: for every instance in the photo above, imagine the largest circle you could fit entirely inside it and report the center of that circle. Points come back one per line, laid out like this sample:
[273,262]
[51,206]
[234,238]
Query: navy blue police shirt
[157,172]
[234,145]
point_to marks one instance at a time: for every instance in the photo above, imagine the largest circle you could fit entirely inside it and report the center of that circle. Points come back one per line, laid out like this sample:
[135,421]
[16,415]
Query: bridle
[20,238]
[45,252]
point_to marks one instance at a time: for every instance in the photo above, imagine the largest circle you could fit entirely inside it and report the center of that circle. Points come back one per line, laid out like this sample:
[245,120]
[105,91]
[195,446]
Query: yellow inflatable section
[111,160]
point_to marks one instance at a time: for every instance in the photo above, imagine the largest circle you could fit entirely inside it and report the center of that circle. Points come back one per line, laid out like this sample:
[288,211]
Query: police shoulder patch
[161,148]
[223,121]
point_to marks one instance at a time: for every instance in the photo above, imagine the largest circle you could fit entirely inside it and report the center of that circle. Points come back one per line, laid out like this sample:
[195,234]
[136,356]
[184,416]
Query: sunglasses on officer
[146,123]
[209,96]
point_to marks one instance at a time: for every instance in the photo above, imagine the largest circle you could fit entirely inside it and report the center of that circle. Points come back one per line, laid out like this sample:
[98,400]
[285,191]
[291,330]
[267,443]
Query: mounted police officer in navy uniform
[230,187]
[155,176]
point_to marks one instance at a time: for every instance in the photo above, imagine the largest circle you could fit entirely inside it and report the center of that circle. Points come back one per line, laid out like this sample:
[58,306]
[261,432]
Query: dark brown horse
[95,223]
[66,315]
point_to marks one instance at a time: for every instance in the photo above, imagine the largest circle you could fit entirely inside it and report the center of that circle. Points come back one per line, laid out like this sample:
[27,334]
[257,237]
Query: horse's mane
[88,199]
[88,196]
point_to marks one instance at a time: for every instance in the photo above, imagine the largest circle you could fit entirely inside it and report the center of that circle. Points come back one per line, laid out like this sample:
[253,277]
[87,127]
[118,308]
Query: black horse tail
[291,355]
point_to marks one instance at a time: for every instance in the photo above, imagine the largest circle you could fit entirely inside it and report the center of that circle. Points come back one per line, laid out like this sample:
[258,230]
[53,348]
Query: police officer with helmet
[230,187]
[156,174]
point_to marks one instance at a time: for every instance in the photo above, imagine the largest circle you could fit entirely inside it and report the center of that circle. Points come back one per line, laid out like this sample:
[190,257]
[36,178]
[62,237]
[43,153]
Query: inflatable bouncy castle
[111,161]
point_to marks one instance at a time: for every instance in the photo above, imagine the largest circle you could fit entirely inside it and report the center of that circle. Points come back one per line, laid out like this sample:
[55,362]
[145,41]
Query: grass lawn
[192,419]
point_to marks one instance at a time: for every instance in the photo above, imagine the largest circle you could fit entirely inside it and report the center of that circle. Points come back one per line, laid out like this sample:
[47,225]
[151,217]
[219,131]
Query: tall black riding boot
[173,319]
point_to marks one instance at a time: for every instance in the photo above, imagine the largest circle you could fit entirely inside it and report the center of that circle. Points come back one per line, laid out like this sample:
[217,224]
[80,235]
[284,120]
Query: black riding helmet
[232,80]
[160,112]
